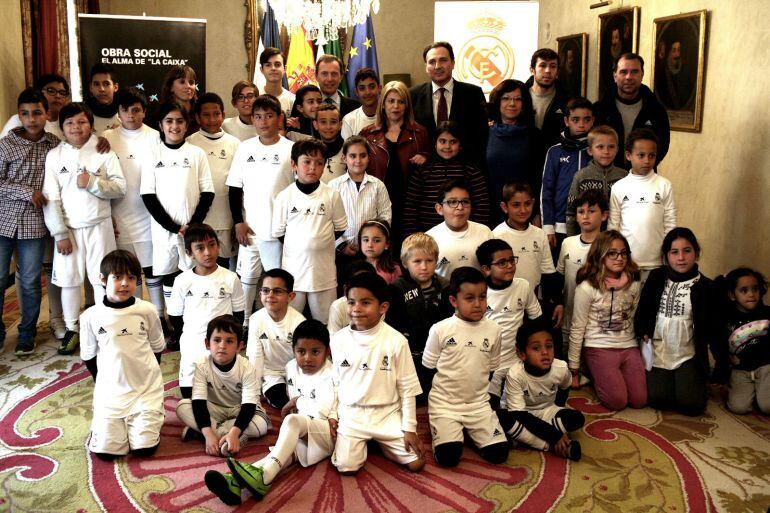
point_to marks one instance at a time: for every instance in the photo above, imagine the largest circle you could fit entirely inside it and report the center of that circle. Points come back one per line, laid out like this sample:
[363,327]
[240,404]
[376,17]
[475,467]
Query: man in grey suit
[444,98]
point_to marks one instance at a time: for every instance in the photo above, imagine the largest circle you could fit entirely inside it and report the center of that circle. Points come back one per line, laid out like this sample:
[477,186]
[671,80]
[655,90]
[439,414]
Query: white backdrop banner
[492,41]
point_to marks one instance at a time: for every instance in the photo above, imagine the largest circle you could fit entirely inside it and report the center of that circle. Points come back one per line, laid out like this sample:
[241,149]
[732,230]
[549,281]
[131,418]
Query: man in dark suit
[328,72]
[444,98]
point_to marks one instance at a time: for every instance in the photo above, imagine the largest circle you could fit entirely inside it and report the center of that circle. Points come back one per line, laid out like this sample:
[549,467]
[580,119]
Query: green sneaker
[70,343]
[249,477]
[223,486]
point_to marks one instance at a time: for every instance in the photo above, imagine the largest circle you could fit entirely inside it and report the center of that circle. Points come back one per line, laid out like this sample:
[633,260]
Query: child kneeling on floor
[536,389]
[122,338]
[309,420]
[224,410]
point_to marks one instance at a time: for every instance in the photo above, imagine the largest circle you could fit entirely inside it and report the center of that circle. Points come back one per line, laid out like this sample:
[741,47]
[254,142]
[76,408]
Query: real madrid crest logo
[486,58]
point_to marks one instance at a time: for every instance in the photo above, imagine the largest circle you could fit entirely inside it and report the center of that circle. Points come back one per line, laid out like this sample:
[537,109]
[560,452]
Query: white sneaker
[224,449]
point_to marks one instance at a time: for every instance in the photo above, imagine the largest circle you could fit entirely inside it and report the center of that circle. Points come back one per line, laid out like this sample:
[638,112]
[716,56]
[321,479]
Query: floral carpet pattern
[635,460]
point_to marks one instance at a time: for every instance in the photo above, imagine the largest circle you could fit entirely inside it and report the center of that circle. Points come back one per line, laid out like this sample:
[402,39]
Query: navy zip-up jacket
[562,162]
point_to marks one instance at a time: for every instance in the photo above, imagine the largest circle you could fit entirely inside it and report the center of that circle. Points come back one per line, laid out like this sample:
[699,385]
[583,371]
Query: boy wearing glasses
[642,204]
[508,300]
[269,347]
[240,126]
[457,237]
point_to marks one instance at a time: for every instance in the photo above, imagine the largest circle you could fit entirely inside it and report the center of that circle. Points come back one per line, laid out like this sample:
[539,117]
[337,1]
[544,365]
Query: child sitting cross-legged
[224,410]
[464,349]
[536,389]
[309,424]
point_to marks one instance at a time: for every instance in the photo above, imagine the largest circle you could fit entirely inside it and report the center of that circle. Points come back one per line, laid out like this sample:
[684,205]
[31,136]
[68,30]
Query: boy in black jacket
[419,300]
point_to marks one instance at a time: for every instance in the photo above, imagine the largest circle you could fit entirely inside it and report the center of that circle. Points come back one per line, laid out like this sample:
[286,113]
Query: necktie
[329,100]
[441,112]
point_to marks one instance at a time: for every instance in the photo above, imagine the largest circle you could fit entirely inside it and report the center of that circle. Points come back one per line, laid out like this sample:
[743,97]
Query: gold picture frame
[618,34]
[573,63]
[678,69]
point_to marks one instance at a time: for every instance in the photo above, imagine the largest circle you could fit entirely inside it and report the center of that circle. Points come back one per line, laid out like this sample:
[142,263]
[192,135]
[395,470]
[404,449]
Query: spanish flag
[300,64]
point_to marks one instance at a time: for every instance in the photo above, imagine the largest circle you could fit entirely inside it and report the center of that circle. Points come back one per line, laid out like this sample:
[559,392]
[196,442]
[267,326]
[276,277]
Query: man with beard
[632,105]
[548,96]
[674,86]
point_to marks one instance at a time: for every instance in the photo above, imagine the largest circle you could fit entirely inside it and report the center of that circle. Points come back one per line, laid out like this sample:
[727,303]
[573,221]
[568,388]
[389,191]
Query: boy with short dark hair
[56,91]
[508,299]
[79,184]
[377,383]
[102,86]
[464,349]
[240,126]
[419,300]
[327,124]
[457,237]
[600,173]
[271,63]
[591,212]
[536,388]
[131,142]
[224,409]
[198,295]
[269,346]
[121,346]
[22,228]
[368,90]
[261,168]
[220,148]
[562,161]
[308,217]
[642,204]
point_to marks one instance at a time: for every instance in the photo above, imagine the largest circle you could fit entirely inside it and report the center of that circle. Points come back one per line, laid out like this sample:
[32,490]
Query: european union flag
[363,52]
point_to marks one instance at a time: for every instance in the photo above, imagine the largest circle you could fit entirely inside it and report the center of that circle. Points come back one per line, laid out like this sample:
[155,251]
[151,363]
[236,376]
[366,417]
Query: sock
[155,291]
[70,300]
[293,428]
[249,293]
[54,295]
[522,434]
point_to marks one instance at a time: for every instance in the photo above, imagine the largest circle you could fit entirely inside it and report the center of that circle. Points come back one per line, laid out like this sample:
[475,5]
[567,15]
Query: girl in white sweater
[603,324]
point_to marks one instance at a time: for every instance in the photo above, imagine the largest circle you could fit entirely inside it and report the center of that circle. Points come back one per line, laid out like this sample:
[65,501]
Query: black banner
[142,49]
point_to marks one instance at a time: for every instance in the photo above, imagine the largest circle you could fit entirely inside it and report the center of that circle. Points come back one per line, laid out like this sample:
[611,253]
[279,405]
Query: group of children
[490,327]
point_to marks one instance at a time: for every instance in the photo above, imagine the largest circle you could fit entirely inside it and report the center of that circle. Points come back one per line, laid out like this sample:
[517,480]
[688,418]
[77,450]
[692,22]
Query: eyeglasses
[244,97]
[506,262]
[614,255]
[277,291]
[57,92]
[454,203]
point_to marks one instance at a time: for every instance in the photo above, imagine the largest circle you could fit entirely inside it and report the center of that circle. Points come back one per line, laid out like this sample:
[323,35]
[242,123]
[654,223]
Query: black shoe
[575,452]
[70,343]
[24,347]
[189,434]
[172,344]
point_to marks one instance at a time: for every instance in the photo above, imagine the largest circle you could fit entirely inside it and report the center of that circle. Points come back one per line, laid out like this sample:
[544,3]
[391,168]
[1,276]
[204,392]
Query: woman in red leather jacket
[395,134]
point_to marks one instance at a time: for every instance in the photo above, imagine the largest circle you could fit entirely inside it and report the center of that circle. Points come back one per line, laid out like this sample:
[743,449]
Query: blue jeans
[29,265]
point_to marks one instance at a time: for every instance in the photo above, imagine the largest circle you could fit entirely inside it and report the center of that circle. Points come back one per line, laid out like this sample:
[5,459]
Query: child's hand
[333,429]
[183,229]
[418,160]
[561,448]
[232,439]
[411,442]
[350,250]
[242,232]
[552,240]
[289,407]
[38,199]
[83,178]
[103,145]
[64,246]
[115,228]
[575,385]
[558,316]
[212,442]
[292,122]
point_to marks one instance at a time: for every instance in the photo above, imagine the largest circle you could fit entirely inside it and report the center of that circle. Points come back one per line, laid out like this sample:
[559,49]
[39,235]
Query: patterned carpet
[635,460]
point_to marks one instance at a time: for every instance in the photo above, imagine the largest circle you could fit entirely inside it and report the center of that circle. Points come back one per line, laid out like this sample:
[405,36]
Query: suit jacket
[347,105]
[468,109]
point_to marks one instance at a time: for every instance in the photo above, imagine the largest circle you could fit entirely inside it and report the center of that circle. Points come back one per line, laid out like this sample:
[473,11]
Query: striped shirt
[364,203]
[424,185]
[22,169]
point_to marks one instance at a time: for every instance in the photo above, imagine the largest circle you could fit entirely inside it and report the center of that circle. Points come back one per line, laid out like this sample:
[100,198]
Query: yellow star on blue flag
[363,51]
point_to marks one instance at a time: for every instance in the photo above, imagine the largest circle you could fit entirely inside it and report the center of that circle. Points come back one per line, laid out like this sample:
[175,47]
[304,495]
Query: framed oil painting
[679,67]
[618,34]
[573,63]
